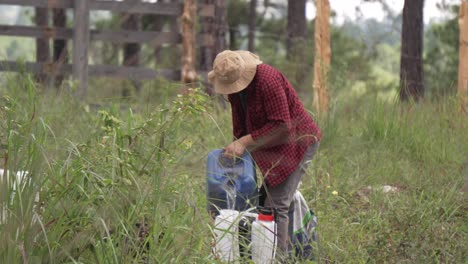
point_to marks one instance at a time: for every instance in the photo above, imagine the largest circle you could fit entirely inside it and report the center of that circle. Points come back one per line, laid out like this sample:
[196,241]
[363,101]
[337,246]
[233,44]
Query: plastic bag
[302,228]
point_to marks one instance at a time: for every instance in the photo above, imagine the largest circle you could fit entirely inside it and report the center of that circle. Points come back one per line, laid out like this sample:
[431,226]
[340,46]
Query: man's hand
[238,147]
[235,149]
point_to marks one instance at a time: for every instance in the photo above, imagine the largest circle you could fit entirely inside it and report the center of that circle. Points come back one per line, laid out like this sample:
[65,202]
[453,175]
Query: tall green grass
[124,183]
[420,149]
[101,174]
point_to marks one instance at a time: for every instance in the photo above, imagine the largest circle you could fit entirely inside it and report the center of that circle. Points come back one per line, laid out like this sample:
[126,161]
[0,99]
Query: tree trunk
[297,26]
[42,45]
[411,68]
[295,41]
[189,76]
[463,64]
[131,57]
[60,45]
[322,56]
[233,39]
[252,23]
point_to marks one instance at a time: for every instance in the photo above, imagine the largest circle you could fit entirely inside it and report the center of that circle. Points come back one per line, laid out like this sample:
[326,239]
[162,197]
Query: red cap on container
[268,218]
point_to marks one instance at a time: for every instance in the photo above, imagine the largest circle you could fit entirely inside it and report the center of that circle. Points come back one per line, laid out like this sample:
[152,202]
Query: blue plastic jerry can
[231,183]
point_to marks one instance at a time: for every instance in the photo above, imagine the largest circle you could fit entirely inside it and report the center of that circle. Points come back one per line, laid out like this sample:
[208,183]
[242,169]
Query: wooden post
[463,64]
[189,75]
[322,56]
[80,46]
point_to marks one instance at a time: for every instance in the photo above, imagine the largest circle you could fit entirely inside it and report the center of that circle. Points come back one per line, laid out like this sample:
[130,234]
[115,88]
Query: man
[270,121]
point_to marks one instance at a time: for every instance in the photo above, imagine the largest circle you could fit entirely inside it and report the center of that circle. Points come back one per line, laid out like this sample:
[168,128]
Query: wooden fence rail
[157,8]
[82,35]
[153,38]
[174,9]
[119,72]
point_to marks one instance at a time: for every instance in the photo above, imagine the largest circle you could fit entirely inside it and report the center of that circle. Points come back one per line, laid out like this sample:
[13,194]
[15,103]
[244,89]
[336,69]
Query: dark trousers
[281,197]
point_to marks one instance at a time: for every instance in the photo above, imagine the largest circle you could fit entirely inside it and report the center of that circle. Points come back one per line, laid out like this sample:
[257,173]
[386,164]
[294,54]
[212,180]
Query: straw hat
[233,71]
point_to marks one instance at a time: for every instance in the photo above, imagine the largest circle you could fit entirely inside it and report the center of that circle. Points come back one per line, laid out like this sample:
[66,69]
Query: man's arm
[238,147]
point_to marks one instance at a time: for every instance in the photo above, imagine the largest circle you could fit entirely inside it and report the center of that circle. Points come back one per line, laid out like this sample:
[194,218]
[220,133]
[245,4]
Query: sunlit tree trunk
[411,65]
[42,44]
[463,65]
[322,56]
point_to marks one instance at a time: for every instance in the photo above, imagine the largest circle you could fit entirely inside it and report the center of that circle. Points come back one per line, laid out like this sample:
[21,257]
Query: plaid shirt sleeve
[276,107]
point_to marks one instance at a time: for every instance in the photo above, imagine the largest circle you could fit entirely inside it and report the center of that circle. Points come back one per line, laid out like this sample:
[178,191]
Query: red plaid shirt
[277,121]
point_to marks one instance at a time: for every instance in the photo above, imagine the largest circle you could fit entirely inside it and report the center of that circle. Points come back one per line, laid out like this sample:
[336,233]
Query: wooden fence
[82,36]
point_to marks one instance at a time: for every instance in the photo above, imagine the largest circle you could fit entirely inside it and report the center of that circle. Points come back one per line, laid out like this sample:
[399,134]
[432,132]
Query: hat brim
[251,61]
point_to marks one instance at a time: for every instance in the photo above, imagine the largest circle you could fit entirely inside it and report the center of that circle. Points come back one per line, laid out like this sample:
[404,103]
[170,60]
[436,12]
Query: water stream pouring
[231,192]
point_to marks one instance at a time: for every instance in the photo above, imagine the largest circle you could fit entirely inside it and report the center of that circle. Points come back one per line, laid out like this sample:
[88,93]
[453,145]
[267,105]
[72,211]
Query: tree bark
[295,42]
[252,25]
[322,56]
[297,25]
[60,45]
[233,38]
[42,44]
[411,65]
[131,56]
[189,75]
[463,64]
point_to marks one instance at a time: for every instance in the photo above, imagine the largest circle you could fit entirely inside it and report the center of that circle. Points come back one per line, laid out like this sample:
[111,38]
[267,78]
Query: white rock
[389,189]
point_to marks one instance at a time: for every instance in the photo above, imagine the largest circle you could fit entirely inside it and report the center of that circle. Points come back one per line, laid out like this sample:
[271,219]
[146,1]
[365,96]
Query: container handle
[228,162]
